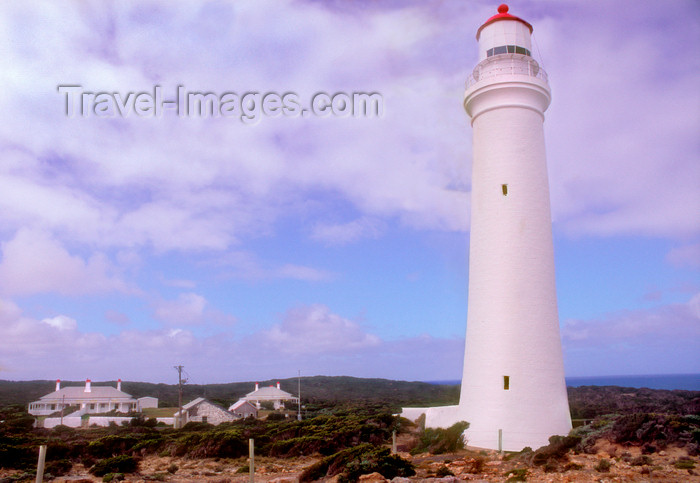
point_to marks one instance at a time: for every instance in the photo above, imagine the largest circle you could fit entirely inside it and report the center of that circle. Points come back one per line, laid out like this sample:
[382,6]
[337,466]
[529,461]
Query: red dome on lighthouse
[502,15]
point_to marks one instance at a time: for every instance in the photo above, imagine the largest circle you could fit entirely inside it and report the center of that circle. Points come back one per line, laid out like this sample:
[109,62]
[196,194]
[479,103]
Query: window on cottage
[504,189]
[204,419]
[506,383]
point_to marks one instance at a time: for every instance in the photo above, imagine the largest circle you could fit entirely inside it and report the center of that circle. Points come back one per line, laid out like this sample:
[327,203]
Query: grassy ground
[159,412]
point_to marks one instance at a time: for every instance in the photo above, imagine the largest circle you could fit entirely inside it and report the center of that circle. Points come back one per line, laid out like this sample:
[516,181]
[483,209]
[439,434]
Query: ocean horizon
[687,382]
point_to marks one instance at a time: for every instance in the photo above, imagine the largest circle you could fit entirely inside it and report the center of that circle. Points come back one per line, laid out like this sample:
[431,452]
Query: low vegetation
[588,402]
[349,464]
[650,431]
[439,441]
[352,437]
[115,464]
[116,449]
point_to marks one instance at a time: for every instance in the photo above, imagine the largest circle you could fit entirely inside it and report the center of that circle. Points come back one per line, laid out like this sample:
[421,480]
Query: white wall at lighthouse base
[483,435]
[435,417]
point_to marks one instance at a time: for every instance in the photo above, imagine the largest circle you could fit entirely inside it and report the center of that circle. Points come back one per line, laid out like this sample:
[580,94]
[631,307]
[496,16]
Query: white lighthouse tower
[513,391]
[513,379]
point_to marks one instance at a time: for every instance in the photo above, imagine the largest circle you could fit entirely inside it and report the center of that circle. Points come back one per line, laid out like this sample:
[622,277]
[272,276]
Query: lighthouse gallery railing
[507,64]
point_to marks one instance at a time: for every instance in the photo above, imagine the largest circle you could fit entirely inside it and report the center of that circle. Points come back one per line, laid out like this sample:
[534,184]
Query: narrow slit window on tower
[504,189]
[506,382]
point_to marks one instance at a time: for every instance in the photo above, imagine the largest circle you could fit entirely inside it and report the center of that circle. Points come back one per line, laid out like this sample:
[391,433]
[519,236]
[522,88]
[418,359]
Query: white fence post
[251,464]
[40,464]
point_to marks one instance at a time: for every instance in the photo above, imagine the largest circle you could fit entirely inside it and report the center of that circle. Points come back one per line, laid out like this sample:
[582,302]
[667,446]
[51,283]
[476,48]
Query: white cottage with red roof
[274,394]
[90,399]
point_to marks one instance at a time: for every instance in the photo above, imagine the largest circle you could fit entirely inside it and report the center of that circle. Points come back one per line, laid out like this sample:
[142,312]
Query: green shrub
[156,477]
[642,461]
[276,417]
[113,477]
[603,466]
[196,426]
[550,466]
[351,463]
[684,464]
[116,464]
[62,430]
[17,453]
[439,441]
[557,449]
[112,445]
[572,466]
[58,467]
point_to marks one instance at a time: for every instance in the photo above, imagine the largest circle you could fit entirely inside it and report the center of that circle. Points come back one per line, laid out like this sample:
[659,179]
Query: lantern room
[504,34]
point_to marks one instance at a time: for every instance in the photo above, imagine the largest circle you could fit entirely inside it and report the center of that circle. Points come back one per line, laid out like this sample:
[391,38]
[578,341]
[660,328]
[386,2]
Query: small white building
[202,411]
[147,402]
[243,409]
[277,396]
[89,399]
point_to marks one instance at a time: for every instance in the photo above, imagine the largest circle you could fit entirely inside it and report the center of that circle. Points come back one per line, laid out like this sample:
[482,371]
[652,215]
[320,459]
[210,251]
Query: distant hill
[585,401]
[313,389]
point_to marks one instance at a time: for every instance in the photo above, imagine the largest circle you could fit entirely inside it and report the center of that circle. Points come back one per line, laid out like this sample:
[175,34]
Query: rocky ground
[467,465]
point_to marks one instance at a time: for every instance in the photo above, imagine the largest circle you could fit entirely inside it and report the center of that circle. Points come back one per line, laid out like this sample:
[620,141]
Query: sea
[688,382]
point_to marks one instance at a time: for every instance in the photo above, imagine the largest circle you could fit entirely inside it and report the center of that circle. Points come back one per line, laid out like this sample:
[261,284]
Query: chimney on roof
[87,385]
[58,384]
[278,385]
[256,386]
[119,384]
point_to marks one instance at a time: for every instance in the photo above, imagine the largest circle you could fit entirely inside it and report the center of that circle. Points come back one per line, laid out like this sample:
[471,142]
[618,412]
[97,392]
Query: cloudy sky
[332,245]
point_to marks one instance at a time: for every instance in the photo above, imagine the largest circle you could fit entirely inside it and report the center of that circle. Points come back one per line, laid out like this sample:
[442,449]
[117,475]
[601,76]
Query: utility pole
[299,396]
[180,382]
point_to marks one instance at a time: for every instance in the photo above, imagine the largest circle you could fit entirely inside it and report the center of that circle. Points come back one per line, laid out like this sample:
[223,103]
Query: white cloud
[651,341]
[246,265]
[315,329]
[622,154]
[186,184]
[622,130]
[34,262]
[300,272]
[343,233]
[61,322]
[311,339]
[187,309]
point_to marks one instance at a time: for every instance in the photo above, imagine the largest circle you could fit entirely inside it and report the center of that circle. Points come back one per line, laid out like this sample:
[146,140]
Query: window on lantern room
[508,49]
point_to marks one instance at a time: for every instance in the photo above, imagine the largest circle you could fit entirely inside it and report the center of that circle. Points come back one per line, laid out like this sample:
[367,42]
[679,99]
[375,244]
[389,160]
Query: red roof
[502,15]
